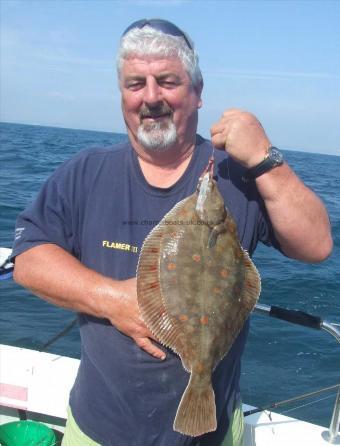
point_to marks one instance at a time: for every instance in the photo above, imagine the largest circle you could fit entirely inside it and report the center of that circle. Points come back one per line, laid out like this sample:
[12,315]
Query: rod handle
[296,317]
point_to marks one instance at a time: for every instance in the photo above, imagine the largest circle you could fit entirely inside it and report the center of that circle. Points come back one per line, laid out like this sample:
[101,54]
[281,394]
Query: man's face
[159,102]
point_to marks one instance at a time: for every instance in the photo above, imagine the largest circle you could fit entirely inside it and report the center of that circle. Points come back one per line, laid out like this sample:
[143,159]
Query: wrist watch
[273,159]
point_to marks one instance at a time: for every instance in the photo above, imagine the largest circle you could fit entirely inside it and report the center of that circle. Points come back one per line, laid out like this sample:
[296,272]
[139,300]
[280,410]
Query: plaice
[196,287]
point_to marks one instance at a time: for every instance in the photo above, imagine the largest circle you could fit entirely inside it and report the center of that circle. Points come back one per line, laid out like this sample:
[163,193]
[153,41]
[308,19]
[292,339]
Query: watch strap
[267,164]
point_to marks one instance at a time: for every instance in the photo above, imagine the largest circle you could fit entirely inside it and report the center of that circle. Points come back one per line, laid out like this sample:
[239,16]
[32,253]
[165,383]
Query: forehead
[144,66]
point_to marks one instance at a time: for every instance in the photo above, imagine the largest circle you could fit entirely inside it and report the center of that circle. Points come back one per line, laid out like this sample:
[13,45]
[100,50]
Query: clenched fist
[242,136]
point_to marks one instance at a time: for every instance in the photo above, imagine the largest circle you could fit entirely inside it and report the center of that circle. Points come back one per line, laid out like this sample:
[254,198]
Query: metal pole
[317,323]
[334,426]
[331,329]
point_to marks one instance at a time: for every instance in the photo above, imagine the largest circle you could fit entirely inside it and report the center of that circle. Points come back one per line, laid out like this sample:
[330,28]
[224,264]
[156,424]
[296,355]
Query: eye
[168,84]
[135,85]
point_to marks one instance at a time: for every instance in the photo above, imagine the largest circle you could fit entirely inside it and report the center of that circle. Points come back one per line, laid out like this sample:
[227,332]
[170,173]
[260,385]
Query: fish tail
[196,413]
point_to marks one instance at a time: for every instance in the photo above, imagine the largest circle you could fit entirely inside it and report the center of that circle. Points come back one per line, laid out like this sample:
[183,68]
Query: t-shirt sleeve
[50,218]
[265,230]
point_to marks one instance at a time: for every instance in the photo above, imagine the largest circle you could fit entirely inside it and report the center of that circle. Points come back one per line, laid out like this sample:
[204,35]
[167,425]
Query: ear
[199,89]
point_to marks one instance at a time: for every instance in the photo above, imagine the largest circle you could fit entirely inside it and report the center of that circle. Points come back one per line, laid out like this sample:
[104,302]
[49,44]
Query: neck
[163,169]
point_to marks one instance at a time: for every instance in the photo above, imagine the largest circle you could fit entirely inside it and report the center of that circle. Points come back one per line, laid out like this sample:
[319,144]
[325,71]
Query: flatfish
[196,287]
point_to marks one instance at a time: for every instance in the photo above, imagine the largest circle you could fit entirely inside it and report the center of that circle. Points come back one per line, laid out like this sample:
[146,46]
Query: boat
[6,266]
[35,385]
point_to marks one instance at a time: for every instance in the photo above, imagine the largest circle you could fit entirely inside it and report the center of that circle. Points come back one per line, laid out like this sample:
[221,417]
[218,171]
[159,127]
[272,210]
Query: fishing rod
[299,318]
[59,335]
[6,272]
[290,400]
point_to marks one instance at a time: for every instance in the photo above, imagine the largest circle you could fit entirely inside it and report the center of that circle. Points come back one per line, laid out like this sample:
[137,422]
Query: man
[75,248]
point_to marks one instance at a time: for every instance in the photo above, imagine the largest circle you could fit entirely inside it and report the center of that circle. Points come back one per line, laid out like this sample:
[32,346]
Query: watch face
[276,156]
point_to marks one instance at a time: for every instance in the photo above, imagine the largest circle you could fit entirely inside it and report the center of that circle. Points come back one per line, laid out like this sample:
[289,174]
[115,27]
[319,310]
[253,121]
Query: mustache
[147,111]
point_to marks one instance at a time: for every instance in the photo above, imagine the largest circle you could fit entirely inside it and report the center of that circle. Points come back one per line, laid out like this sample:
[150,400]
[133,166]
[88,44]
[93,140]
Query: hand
[125,316]
[242,136]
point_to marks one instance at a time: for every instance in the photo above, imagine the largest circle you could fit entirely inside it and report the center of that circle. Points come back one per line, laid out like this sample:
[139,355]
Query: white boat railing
[315,322]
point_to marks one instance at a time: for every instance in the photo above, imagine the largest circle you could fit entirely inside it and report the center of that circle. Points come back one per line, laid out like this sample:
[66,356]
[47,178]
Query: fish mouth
[208,172]
[204,186]
[209,169]
[203,193]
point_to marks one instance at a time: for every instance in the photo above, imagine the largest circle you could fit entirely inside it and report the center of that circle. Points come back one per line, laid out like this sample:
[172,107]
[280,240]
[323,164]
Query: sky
[277,59]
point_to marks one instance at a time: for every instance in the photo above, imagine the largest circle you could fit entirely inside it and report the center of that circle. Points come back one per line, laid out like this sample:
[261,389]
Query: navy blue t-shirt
[99,207]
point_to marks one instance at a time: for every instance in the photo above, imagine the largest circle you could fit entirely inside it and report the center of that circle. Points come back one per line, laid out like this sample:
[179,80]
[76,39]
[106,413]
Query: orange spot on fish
[204,320]
[217,290]
[152,268]
[183,317]
[196,258]
[250,284]
[171,266]
[224,273]
[154,250]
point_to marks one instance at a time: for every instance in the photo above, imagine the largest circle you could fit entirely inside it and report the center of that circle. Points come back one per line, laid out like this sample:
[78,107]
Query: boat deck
[38,384]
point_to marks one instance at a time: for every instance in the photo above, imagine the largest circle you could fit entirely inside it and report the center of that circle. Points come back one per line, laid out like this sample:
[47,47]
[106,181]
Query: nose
[152,92]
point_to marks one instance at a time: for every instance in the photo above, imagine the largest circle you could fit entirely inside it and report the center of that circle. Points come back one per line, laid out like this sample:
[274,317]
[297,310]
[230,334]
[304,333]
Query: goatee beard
[157,136]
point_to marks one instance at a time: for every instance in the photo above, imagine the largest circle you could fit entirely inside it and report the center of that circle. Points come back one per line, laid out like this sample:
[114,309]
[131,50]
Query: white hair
[148,41]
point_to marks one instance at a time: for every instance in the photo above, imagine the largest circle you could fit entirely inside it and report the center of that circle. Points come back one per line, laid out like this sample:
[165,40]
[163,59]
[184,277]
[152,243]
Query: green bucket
[26,433]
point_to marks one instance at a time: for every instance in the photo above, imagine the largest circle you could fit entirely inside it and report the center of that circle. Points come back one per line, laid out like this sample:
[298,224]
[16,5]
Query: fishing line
[212,156]
[290,400]
[308,404]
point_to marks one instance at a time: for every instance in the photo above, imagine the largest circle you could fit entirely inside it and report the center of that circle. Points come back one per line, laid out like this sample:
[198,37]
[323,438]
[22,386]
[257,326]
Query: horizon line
[125,134]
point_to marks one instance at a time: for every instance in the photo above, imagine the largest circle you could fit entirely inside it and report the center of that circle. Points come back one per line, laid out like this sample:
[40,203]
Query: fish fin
[186,363]
[215,232]
[148,291]
[252,283]
[178,208]
[196,413]
[149,294]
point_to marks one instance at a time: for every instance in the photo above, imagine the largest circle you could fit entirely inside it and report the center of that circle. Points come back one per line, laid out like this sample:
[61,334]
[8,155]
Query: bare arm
[58,277]
[298,216]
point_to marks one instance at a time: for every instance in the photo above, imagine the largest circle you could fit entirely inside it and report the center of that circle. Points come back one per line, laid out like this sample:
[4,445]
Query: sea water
[281,361]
